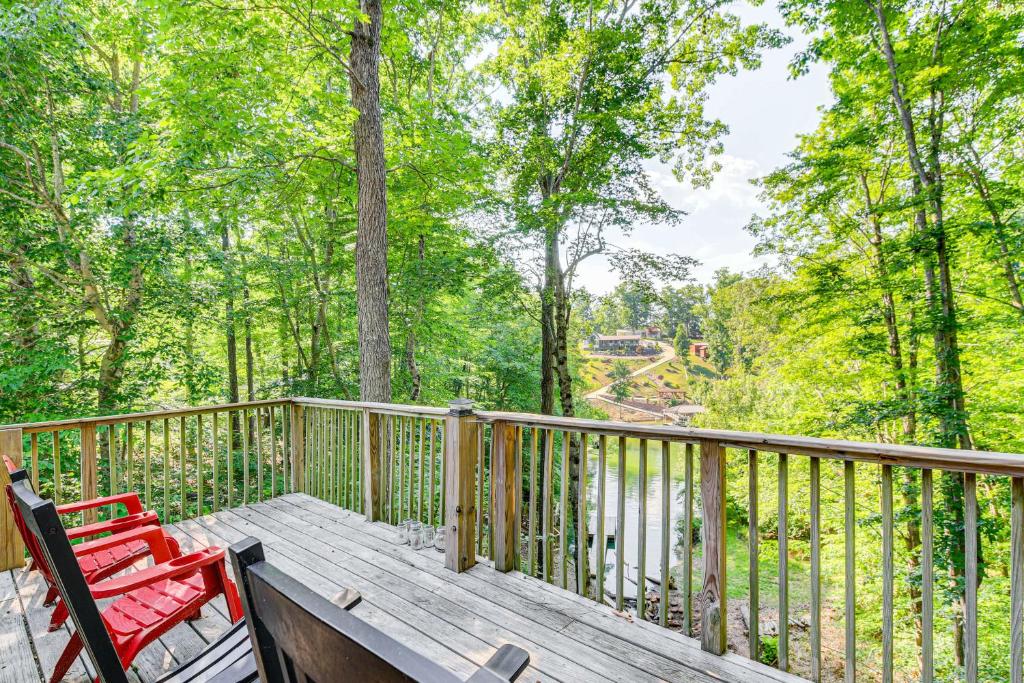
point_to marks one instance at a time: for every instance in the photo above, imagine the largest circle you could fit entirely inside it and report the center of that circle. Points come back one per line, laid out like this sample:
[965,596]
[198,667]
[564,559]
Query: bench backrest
[43,525]
[31,543]
[299,635]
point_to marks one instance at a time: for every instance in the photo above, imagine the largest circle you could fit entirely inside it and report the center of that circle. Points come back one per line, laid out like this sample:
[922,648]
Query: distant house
[623,345]
[699,349]
[652,331]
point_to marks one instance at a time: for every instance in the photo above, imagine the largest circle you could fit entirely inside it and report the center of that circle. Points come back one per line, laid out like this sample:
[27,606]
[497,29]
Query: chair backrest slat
[43,524]
[301,636]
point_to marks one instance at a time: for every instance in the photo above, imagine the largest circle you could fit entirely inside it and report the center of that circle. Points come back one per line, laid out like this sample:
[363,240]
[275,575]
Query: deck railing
[493,480]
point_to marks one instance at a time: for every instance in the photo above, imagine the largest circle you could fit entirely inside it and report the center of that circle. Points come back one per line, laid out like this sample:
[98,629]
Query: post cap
[460,407]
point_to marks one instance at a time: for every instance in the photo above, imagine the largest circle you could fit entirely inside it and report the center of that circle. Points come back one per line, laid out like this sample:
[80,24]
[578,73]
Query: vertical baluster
[344,445]
[688,541]
[112,463]
[971,586]
[850,602]
[89,473]
[641,536]
[927,578]
[582,566]
[419,474]
[549,492]
[666,523]
[531,523]
[148,465]
[339,451]
[783,562]
[402,432]
[442,435]
[393,441]
[129,457]
[273,451]
[286,448]
[35,461]
[411,447]
[182,447]
[167,471]
[57,484]
[246,445]
[887,574]
[433,471]
[214,470]
[753,566]
[480,491]
[600,542]
[519,500]
[815,570]
[1017,580]
[200,438]
[230,461]
[259,454]
[563,513]
[620,527]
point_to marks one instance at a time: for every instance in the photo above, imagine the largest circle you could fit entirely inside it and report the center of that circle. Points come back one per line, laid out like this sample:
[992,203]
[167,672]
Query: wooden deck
[456,619]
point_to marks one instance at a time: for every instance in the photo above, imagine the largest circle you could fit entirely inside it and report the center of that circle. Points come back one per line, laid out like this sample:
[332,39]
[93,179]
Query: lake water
[655,499]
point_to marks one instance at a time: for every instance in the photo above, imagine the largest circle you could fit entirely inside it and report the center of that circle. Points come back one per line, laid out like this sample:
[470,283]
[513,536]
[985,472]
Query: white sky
[764,111]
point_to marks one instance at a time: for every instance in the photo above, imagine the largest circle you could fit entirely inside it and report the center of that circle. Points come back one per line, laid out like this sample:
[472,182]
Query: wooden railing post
[460,446]
[504,487]
[371,455]
[89,470]
[12,549]
[712,598]
[298,448]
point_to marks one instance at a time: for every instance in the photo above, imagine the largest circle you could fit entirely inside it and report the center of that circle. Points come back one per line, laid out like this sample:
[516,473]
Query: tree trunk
[229,329]
[410,339]
[371,207]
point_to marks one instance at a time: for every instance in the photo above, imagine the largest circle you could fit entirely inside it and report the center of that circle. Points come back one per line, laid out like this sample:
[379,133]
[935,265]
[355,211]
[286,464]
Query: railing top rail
[73,423]
[386,408]
[982,462]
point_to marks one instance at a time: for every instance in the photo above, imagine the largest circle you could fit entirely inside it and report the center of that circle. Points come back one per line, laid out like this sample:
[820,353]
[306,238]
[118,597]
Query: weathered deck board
[457,619]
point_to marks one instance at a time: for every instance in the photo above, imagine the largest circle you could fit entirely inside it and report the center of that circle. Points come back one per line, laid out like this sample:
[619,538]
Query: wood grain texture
[503,496]
[927,578]
[641,535]
[371,456]
[666,539]
[688,541]
[783,529]
[1017,580]
[90,472]
[713,594]
[971,576]
[12,548]
[850,582]
[620,526]
[753,564]
[887,575]
[461,432]
[601,542]
[815,639]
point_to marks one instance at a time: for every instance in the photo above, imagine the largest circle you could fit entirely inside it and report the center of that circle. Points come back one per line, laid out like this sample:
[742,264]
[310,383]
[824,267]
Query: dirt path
[601,393]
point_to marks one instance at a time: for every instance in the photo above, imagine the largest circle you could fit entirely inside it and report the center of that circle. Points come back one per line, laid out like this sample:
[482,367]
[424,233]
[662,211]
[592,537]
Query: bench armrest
[116,525]
[131,503]
[504,665]
[186,565]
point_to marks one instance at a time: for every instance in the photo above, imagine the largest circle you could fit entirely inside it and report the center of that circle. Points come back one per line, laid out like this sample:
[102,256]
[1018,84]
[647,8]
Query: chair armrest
[116,525]
[504,665]
[131,503]
[186,565]
[153,536]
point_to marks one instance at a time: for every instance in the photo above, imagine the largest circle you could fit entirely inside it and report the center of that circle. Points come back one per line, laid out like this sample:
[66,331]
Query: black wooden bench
[301,636]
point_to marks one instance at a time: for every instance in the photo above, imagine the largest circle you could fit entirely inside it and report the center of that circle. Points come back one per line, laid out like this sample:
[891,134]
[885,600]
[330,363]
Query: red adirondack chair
[148,602]
[96,565]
